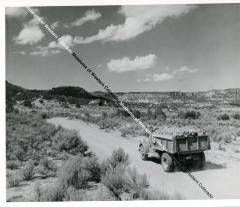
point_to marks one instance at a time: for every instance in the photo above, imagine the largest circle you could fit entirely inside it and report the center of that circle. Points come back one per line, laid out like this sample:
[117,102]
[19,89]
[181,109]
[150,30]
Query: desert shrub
[69,141]
[104,115]
[137,114]
[18,153]
[236,116]
[115,181]
[28,170]
[223,136]
[53,192]
[27,135]
[158,114]
[189,115]
[138,183]
[220,147]
[13,179]
[223,117]
[47,168]
[125,183]
[93,167]
[118,157]
[103,194]
[44,115]
[27,103]
[125,131]
[41,101]
[11,165]
[73,194]
[77,171]
[107,124]
[149,113]
[120,113]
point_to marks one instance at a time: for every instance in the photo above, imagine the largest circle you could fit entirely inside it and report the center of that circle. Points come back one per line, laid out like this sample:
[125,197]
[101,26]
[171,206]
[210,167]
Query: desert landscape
[48,130]
[122,102]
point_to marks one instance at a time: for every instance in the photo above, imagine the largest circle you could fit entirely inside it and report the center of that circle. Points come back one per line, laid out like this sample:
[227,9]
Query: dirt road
[221,181]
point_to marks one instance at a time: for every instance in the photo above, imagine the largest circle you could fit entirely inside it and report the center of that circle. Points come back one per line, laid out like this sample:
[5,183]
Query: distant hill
[78,95]
[71,94]
[70,91]
[178,98]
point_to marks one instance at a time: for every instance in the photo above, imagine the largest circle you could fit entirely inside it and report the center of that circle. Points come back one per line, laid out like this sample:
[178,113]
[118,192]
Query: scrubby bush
[115,180]
[189,115]
[41,101]
[158,114]
[53,192]
[125,183]
[13,179]
[11,165]
[107,124]
[223,136]
[93,167]
[73,194]
[77,171]
[236,116]
[28,170]
[149,113]
[223,117]
[120,113]
[104,115]
[69,141]
[118,157]
[103,194]
[47,168]
[125,131]
[27,103]
[137,114]
[44,115]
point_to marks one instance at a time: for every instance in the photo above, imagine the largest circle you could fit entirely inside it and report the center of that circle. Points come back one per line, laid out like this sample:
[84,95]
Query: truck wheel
[201,160]
[167,162]
[142,151]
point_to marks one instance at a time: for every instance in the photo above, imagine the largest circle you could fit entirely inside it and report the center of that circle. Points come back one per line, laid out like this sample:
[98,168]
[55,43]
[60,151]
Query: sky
[130,48]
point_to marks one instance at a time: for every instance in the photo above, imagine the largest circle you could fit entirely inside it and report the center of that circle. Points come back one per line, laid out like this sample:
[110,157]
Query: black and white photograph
[122,102]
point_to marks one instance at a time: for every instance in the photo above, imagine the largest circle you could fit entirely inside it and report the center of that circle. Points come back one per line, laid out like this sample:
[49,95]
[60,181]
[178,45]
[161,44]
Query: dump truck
[176,146]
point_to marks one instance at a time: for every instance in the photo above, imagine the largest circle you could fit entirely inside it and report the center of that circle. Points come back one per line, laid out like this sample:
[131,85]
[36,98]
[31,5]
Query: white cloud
[31,33]
[126,64]
[156,77]
[138,19]
[54,47]
[90,15]
[66,40]
[40,51]
[44,51]
[15,12]
[185,69]
[167,76]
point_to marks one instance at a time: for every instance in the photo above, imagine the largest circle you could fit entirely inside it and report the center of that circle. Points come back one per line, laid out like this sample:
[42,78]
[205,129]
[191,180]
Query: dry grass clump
[13,178]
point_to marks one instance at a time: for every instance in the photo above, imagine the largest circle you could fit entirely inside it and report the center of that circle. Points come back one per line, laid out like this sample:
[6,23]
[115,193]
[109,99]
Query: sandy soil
[220,178]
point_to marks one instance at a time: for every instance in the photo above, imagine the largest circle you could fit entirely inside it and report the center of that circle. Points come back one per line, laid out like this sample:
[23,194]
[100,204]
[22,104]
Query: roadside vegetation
[57,162]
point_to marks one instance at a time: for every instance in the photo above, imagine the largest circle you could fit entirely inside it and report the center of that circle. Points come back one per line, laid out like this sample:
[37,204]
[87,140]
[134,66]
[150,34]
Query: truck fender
[146,145]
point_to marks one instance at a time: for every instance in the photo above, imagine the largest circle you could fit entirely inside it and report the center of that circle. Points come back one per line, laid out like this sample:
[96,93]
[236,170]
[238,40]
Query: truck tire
[202,160]
[167,162]
[142,151]
[200,163]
